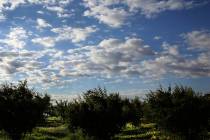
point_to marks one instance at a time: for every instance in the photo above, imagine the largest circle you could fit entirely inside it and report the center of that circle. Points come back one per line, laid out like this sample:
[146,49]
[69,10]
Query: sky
[65,47]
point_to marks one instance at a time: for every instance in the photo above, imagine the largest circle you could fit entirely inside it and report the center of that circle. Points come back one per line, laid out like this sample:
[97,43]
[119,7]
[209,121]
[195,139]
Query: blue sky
[65,47]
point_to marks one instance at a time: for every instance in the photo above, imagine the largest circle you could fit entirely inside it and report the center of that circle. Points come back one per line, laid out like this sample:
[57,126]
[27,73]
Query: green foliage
[61,109]
[21,109]
[78,135]
[145,131]
[100,114]
[178,113]
[52,129]
[132,111]
[181,111]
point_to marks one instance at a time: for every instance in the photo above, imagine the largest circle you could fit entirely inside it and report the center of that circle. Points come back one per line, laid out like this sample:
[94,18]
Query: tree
[132,110]
[21,109]
[181,111]
[61,109]
[99,114]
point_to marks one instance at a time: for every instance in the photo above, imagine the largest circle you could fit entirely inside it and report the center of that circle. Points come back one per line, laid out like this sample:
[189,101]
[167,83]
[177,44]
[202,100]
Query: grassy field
[54,129]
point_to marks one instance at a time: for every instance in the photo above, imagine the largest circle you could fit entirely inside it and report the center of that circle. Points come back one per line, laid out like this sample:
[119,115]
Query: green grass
[50,133]
[54,129]
[145,131]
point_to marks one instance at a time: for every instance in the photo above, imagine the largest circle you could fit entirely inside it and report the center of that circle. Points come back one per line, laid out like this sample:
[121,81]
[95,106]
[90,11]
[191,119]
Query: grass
[49,133]
[54,129]
[145,131]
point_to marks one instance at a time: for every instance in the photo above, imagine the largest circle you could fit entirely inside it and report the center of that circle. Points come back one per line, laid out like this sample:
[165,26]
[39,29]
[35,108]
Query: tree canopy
[102,115]
[180,110]
[21,109]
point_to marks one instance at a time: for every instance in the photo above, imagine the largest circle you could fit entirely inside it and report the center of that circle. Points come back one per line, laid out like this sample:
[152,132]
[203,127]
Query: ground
[55,129]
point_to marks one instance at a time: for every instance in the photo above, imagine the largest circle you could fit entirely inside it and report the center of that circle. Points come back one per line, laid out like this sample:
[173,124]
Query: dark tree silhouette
[132,110]
[100,114]
[61,109]
[180,110]
[20,109]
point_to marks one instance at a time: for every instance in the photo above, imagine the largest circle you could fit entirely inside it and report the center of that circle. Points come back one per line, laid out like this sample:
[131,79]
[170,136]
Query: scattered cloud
[61,11]
[74,35]
[157,38]
[151,8]
[40,12]
[45,41]
[6,5]
[111,57]
[114,13]
[198,39]
[13,62]
[171,61]
[9,5]
[41,23]
[65,33]
[16,38]
[114,17]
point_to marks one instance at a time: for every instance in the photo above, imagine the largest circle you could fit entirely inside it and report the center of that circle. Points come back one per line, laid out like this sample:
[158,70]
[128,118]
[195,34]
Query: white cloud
[16,38]
[114,13]
[15,62]
[61,11]
[50,2]
[114,17]
[40,12]
[41,23]
[58,6]
[8,5]
[75,35]
[45,41]
[157,37]
[56,9]
[198,39]
[171,61]
[24,64]
[66,33]
[114,51]
[111,57]
[114,58]
[150,8]
[2,17]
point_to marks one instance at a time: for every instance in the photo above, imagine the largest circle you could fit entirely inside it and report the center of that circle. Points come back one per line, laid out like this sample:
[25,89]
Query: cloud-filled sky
[130,46]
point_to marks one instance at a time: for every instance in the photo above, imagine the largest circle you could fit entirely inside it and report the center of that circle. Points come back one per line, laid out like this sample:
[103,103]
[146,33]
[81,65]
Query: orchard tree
[100,114]
[61,109]
[21,109]
[180,111]
[132,110]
